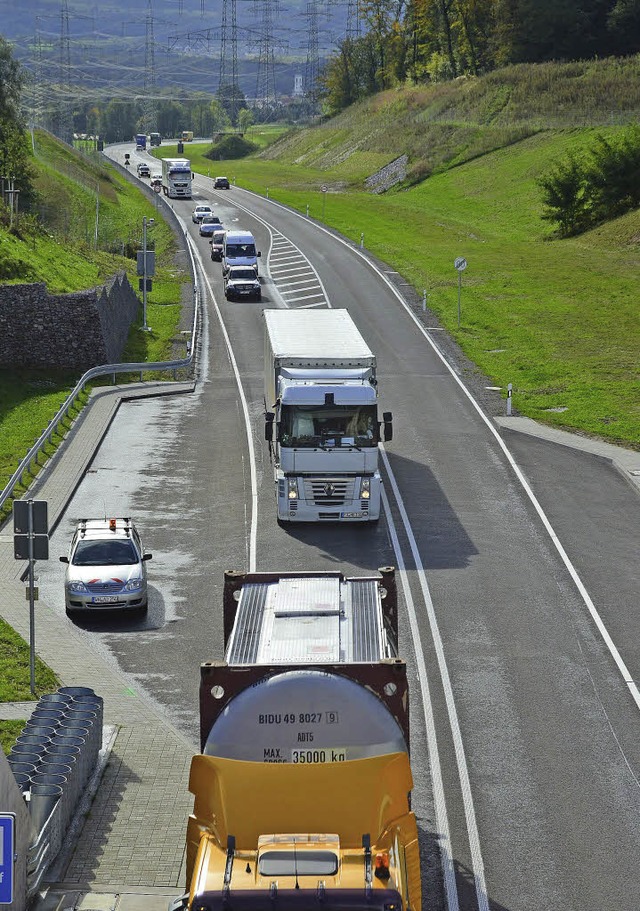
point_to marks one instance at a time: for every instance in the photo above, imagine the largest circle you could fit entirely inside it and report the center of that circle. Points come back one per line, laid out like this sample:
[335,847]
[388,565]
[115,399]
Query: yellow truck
[302,788]
[187,136]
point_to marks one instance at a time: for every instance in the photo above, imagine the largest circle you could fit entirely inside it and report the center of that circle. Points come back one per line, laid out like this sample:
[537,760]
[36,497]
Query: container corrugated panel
[318,620]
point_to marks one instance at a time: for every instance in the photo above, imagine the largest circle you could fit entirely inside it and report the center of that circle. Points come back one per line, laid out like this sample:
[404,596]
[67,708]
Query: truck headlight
[365,488]
[292,489]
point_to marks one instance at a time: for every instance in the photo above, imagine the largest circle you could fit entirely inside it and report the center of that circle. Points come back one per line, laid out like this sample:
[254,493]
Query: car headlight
[365,488]
[292,489]
[78,587]
[133,585]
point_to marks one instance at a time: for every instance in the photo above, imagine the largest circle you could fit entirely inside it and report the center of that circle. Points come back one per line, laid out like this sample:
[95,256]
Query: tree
[11,82]
[565,197]
[219,117]
[245,119]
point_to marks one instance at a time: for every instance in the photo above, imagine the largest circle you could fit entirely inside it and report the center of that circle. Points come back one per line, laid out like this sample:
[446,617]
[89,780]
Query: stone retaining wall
[75,331]
[386,177]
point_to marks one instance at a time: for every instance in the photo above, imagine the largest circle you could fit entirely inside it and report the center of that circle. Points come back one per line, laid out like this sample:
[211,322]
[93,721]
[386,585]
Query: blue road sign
[7,852]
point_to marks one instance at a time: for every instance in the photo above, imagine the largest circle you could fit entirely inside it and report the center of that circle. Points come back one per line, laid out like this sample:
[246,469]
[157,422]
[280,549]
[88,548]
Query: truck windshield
[328,425]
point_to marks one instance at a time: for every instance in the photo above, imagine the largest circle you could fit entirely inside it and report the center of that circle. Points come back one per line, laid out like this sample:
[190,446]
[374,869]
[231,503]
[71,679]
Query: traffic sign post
[460,265]
[324,189]
[31,542]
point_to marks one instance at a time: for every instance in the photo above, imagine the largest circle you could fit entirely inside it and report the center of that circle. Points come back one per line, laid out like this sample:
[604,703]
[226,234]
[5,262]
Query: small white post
[362,240]
[509,394]
[307,210]
[424,299]
[267,192]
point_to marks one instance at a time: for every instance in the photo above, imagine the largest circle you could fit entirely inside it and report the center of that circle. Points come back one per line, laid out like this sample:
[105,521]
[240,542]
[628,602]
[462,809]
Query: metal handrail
[104,370]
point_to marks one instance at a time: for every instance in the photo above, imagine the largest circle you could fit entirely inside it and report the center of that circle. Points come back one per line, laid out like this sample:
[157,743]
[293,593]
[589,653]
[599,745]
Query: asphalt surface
[549,731]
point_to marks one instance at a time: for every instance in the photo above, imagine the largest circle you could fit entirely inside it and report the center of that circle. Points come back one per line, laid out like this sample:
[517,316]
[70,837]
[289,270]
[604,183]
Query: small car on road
[106,567]
[242,282]
[143,169]
[217,244]
[199,213]
[221,183]
[208,225]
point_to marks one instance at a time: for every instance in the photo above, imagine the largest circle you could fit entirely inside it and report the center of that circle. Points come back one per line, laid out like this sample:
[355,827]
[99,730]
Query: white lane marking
[306,286]
[440,804]
[253,533]
[456,733]
[303,297]
[296,270]
[310,306]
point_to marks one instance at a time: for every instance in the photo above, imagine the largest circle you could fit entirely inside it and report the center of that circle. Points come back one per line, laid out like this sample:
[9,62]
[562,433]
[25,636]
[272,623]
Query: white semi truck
[321,413]
[176,178]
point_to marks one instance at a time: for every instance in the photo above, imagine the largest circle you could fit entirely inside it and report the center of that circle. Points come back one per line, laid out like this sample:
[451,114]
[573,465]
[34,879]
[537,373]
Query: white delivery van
[239,250]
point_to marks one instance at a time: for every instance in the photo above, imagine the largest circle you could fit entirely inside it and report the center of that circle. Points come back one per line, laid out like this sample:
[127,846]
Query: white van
[239,250]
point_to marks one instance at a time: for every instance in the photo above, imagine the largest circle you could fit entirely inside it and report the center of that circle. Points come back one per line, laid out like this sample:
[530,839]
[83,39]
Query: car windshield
[218,237]
[105,553]
[241,250]
[328,425]
[244,274]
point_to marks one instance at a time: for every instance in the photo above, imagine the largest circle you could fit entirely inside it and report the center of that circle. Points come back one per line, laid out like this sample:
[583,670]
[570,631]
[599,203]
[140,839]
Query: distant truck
[141,142]
[176,178]
[155,139]
[303,781]
[187,136]
[321,413]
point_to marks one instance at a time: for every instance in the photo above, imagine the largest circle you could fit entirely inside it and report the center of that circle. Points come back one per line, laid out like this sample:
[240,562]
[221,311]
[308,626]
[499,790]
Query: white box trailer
[320,381]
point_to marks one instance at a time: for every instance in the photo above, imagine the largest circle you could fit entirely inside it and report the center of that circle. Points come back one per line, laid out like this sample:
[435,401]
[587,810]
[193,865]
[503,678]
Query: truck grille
[328,491]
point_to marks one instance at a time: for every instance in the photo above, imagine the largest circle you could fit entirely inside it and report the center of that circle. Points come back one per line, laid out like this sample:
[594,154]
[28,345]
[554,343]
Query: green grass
[14,669]
[15,682]
[9,732]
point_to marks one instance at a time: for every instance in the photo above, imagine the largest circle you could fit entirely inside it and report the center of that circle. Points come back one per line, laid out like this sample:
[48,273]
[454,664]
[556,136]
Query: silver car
[106,567]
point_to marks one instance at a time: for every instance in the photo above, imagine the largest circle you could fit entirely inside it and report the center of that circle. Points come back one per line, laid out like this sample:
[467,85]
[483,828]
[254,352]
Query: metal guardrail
[105,370]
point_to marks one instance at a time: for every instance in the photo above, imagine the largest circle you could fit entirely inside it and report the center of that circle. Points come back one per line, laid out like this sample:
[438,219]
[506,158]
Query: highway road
[525,736]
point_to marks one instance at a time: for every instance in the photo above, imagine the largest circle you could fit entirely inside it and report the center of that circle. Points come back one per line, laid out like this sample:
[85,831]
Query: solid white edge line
[253,533]
[456,733]
[439,800]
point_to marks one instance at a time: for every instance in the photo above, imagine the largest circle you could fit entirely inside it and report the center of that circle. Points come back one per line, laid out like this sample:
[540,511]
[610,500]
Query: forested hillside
[434,40]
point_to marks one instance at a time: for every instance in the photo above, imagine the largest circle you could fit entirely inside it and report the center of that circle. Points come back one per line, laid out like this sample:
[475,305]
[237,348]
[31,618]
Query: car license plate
[351,515]
[106,599]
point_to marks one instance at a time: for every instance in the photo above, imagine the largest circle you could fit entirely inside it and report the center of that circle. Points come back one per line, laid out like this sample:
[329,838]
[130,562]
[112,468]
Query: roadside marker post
[460,265]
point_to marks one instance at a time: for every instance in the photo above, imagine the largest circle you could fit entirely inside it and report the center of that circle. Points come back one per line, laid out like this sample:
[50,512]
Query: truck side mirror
[268,426]
[64,559]
[258,253]
[387,417]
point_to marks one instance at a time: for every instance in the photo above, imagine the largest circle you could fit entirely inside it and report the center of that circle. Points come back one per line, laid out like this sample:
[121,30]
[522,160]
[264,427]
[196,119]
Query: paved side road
[131,850]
